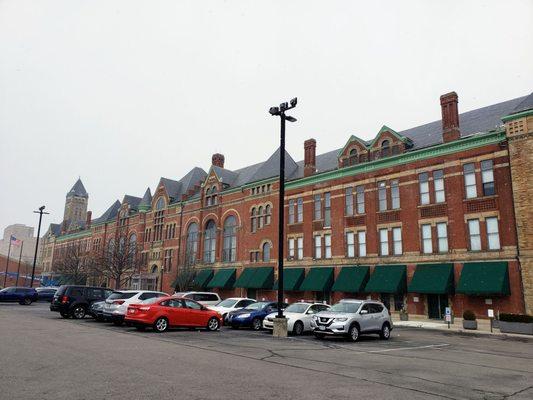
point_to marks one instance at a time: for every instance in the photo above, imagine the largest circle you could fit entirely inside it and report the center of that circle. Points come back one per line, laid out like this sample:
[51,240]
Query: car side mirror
[363,312]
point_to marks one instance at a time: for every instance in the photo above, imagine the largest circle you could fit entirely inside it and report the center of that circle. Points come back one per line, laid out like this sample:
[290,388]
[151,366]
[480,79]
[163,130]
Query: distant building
[23,233]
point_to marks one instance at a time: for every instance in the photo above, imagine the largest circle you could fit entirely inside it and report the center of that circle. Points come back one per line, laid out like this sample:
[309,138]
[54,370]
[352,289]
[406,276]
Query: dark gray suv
[353,318]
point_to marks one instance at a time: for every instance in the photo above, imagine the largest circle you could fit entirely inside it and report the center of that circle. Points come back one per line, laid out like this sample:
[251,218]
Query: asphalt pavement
[46,357]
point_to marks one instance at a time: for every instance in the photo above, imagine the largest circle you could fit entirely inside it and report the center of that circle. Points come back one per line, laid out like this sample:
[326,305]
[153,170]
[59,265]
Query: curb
[465,333]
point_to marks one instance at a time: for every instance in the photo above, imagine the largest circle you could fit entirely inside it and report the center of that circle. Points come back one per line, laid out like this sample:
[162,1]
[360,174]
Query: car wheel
[353,333]
[78,312]
[161,325]
[64,314]
[257,324]
[298,328]
[320,335]
[213,324]
[25,302]
[385,332]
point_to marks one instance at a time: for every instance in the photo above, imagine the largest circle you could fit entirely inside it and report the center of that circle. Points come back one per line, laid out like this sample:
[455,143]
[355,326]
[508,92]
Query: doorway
[437,304]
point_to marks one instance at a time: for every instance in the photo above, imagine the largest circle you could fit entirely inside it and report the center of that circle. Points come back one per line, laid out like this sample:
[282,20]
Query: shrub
[528,319]
[468,315]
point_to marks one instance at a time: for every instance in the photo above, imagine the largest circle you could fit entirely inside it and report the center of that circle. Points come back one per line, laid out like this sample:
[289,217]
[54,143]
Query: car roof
[239,298]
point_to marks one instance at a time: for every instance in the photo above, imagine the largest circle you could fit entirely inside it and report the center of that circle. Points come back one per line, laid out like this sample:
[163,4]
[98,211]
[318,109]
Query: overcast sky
[124,92]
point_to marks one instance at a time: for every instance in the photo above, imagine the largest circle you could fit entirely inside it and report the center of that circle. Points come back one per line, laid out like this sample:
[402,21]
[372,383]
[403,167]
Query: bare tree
[184,278]
[73,265]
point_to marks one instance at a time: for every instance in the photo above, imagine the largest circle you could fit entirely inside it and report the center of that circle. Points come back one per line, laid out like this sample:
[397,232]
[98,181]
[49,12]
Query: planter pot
[469,324]
[516,327]
[404,317]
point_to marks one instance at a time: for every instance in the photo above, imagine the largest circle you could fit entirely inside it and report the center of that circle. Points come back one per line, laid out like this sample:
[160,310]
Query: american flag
[15,241]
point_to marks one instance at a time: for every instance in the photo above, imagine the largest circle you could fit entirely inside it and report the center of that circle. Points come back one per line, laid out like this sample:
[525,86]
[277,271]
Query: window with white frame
[382,196]
[442,237]
[260,217]
[300,214]
[318,246]
[350,244]
[469,172]
[300,243]
[327,246]
[348,201]
[361,242]
[383,242]
[317,207]
[395,194]
[427,242]
[327,209]
[291,248]
[291,211]
[438,186]
[423,181]
[493,235]
[487,178]
[397,241]
[360,199]
[475,235]
[268,214]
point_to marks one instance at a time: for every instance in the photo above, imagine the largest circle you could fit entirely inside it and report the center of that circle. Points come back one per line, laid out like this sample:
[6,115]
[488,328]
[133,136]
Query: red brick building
[421,219]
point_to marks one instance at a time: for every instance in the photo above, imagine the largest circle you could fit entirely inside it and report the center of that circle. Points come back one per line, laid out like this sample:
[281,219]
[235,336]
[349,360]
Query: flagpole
[7,261]
[20,257]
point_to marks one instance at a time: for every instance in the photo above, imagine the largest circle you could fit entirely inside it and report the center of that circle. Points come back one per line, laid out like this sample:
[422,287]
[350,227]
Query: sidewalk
[457,327]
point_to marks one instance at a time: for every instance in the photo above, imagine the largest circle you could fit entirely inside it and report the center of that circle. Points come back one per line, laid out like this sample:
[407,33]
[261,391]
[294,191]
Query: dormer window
[211,196]
[353,158]
[385,148]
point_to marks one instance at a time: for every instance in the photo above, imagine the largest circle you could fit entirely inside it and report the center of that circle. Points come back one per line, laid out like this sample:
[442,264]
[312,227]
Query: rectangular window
[423,180]
[360,198]
[300,209]
[384,242]
[438,186]
[327,209]
[291,211]
[361,241]
[427,243]
[300,243]
[382,196]
[442,237]
[348,201]
[327,246]
[318,246]
[475,236]
[487,178]
[493,235]
[318,207]
[397,240]
[350,244]
[395,194]
[291,248]
[469,172]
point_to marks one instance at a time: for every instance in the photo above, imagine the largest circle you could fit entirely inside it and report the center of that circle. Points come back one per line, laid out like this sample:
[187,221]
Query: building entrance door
[437,304]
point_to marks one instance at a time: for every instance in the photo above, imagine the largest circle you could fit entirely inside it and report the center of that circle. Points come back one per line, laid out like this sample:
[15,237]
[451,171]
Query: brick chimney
[450,117]
[309,157]
[89,219]
[218,160]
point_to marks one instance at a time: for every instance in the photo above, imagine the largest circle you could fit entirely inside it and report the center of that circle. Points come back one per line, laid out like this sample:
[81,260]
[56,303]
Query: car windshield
[257,306]
[119,295]
[343,307]
[227,303]
[180,294]
[297,308]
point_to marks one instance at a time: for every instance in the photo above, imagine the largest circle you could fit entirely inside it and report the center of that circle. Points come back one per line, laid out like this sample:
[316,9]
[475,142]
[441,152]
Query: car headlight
[341,319]
[315,318]
[243,315]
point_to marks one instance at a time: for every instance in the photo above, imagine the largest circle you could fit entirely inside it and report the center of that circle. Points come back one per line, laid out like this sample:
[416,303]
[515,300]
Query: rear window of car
[75,292]
[120,295]
[205,297]
[61,290]
[345,307]
[149,295]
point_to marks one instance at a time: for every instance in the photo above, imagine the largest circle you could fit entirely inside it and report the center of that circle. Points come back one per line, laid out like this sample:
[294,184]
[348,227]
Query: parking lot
[45,356]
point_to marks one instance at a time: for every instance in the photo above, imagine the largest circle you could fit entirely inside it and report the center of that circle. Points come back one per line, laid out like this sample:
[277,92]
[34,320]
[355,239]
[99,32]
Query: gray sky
[123,92]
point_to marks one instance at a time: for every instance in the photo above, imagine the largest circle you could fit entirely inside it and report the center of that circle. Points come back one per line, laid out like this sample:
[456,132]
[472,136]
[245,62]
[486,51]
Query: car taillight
[144,308]
[64,299]
[118,302]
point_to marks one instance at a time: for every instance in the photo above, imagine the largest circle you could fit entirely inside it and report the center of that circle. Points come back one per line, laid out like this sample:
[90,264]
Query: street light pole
[280,323]
[40,212]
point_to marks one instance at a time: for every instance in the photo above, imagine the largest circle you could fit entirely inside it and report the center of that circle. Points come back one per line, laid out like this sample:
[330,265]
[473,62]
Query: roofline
[521,114]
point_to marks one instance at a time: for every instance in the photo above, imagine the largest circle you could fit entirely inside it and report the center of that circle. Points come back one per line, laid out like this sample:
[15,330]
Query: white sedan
[230,304]
[299,316]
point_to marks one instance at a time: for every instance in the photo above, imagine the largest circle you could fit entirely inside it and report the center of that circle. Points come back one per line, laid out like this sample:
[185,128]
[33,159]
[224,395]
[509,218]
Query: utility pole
[18,268]
[40,212]
[7,261]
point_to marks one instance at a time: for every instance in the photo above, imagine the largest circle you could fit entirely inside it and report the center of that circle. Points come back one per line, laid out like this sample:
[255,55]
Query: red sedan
[166,312]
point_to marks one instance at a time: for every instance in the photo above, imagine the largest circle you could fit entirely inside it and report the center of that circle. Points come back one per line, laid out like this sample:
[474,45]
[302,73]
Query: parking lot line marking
[410,348]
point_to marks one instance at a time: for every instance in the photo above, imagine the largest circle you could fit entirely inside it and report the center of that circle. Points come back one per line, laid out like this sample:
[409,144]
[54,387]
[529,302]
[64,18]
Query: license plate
[322,328]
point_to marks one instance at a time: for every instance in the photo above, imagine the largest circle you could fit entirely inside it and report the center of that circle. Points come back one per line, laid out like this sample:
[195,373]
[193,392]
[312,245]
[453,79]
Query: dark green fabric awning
[292,279]
[387,279]
[256,278]
[351,279]
[484,278]
[202,278]
[432,279]
[319,279]
[223,279]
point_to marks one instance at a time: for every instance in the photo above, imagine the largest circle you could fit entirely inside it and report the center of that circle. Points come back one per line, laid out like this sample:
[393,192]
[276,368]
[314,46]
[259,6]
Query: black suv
[74,301]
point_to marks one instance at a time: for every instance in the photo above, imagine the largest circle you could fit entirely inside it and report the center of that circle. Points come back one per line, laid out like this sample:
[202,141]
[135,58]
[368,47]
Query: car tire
[257,324]
[320,335]
[65,315]
[353,333]
[298,328]
[78,312]
[161,325]
[25,302]
[385,332]
[213,324]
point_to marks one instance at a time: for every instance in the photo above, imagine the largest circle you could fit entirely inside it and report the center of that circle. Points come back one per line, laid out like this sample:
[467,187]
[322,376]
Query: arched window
[111,249]
[133,246]
[266,252]
[229,253]
[268,214]
[260,217]
[154,269]
[191,249]
[352,160]
[160,204]
[210,242]
[159,218]
[214,195]
[254,220]
[385,148]
[121,245]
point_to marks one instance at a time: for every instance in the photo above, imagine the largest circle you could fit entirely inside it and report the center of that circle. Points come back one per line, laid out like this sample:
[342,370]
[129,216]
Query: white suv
[231,304]
[116,305]
[299,316]
[204,298]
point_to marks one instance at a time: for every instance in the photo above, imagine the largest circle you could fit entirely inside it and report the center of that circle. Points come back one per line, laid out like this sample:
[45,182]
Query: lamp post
[280,322]
[40,212]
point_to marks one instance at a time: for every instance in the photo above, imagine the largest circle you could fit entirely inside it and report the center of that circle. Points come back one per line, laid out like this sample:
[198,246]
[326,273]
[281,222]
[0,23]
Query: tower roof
[146,201]
[78,190]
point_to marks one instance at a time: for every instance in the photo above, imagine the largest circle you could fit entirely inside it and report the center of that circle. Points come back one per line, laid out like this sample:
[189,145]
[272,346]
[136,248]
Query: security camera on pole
[280,322]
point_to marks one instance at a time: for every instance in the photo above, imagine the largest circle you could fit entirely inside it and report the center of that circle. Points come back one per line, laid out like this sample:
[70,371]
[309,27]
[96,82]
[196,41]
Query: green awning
[292,279]
[351,279]
[256,278]
[484,278]
[223,279]
[202,278]
[432,279]
[387,279]
[319,279]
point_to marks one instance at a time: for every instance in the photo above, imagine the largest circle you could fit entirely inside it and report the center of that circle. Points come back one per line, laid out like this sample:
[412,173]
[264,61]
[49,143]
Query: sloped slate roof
[78,190]
[176,189]
[55,229]
[228,177]
[109,214]
[146,201]
[131,200]
[526,104]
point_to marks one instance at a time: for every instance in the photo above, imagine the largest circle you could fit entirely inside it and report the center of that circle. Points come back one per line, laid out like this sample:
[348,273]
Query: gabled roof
[176,189]
[385,128]
[109,214]
[270,168]
[54,229]
[353,138]
[78,190]
[225,175]
[132,201]
[146,201]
